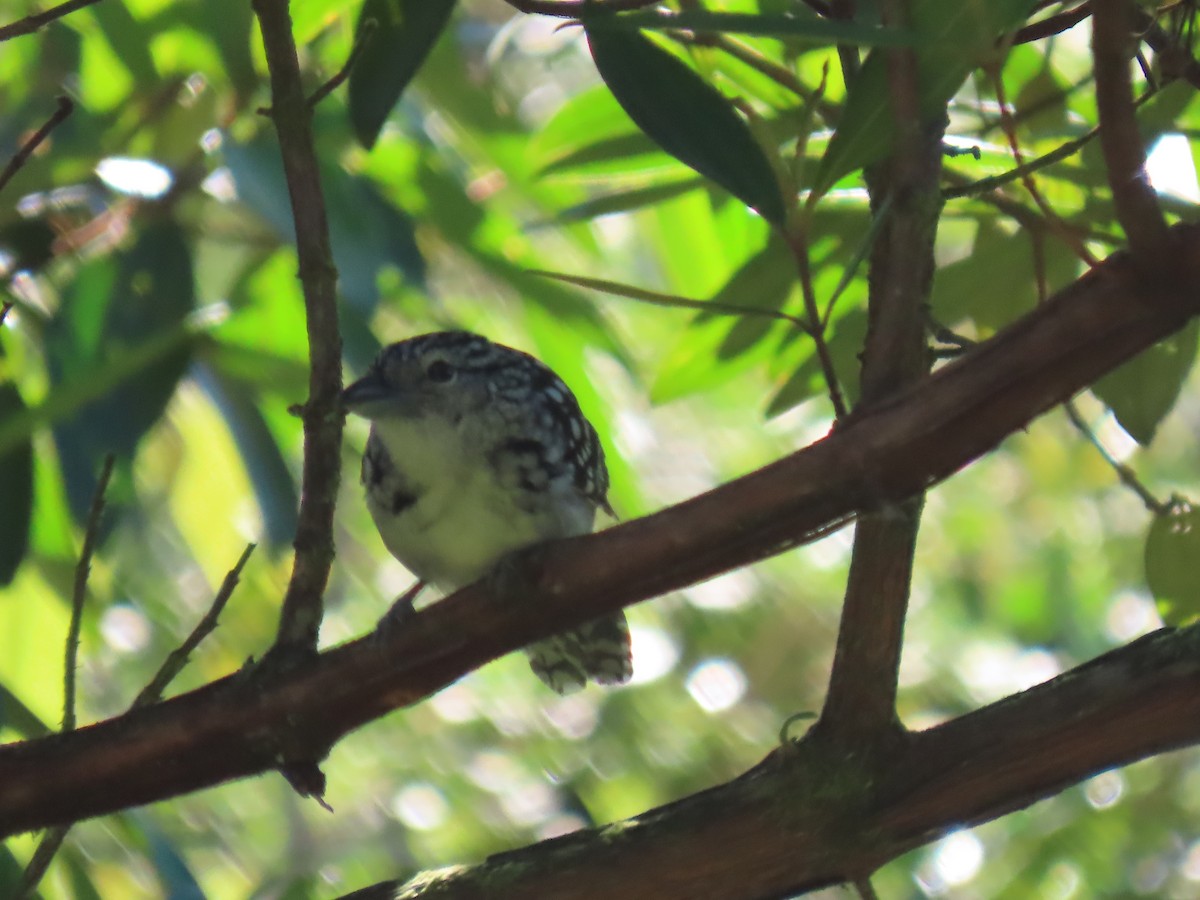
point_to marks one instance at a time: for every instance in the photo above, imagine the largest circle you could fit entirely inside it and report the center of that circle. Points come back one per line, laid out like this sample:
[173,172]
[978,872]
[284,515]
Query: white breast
[463,520]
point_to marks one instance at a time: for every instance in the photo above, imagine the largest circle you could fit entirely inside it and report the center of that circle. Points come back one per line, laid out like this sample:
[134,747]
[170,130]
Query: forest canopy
[884,313]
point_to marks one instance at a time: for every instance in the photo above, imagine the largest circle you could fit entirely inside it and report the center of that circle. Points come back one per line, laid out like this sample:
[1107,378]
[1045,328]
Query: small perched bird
[477,450]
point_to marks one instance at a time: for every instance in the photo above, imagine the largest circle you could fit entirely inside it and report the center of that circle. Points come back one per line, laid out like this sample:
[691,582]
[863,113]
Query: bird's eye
[439,370]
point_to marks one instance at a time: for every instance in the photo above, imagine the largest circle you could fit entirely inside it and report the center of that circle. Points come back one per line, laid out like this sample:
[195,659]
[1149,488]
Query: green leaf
[11,872]
[403,33]
[99,333]
[625,201]
[953,37]
[1172,548]
[684,115]
[761,287]
[800,25]
[622,153]
[1142,391]
[273,484]
[366,231]
[845,341]
[20,718]
[129,39]
[16,491]
[590,116]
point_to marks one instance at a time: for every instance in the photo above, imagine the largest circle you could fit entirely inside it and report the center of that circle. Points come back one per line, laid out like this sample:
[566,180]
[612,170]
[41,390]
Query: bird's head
[443,374]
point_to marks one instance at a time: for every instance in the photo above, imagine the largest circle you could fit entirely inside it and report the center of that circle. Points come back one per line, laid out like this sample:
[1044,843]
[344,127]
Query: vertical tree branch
[1113,44]
[300,619]
[860,707]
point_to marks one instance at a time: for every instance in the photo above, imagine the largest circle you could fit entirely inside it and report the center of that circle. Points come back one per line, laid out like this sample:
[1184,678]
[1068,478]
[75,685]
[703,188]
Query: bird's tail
[599,650]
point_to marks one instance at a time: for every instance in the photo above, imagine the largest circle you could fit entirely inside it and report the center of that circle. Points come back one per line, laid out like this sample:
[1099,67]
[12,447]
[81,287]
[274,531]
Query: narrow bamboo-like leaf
[801,26]
[591,116]
[762,285]
[1172,547]
[274,487]
[92,383]
[403,34]
[1141,392]
[714,307]
[624,201]
[606,150]
[684,115]
[952,37]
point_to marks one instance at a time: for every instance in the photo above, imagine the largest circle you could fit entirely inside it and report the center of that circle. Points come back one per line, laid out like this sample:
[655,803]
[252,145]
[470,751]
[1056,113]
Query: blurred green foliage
[147,252]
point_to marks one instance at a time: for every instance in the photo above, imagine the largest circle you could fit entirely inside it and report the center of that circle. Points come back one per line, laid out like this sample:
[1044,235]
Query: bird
[477,450]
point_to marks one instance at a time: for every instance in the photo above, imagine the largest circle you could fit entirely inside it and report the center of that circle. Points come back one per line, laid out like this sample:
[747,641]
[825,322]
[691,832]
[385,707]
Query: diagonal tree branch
[37,21]
[241,726]
[786,826]
[65,106]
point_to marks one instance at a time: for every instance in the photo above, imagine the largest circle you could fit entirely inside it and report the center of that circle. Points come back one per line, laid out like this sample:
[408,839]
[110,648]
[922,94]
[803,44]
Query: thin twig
[1175,60]
[364,37]
[32,23]
[178,657]
[46,850]
[91,535]
[65,108]
[656,298]
[360,44]
[1053,221]
[1136,205]
[53,838]
[798,244]
[1022,171]
[1124,473]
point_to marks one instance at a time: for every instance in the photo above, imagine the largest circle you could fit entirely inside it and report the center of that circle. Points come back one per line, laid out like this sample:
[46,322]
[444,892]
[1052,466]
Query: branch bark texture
[300,618]
[860,708]
[1114,23]
[804,818]
[251,723]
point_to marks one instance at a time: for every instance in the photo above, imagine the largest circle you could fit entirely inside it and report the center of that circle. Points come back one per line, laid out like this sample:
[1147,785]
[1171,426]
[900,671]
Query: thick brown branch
[882,455]
[785,826]
[300,619]
[1113,43]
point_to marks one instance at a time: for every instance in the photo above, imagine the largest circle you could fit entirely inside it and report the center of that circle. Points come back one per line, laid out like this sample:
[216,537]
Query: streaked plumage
[477,450]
